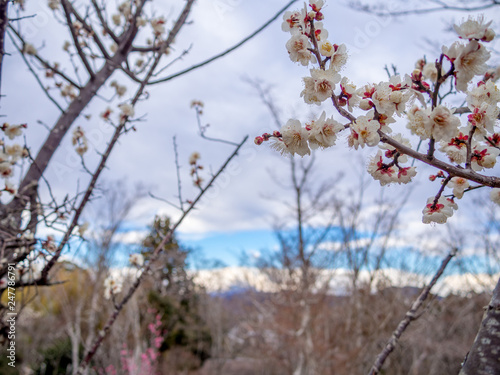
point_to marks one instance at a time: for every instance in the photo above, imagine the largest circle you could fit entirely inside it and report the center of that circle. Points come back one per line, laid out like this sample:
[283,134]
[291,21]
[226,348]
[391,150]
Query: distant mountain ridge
[337,281]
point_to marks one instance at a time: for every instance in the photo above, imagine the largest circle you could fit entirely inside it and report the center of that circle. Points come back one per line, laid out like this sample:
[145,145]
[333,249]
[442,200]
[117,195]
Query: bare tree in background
[326,226]
[130,41]
[400,8]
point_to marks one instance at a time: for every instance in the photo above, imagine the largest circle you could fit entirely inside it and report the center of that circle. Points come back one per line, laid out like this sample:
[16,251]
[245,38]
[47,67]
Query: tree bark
[484,355]
[4,21]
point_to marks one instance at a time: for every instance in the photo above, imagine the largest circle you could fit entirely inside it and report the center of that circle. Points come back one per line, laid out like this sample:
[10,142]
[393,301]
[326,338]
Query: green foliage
[175,297]
[5,369]
[182,324]
[56,359]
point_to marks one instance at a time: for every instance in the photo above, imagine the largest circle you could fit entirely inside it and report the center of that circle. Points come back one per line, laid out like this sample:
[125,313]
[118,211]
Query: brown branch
[37,76]
[368,9]
[458,171]
[46,63]
[83,57]
[118,131]
[104,23]
[4,21]
[409,317]
[229,50]
[105,331]
[90,31]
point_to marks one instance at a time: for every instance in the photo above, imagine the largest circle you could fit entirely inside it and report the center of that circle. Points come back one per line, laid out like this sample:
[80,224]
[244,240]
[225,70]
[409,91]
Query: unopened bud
[365,104]
[416,75]
[258,140]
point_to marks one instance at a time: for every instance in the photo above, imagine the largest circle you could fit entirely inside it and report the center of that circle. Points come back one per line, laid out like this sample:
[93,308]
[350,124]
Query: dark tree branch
[229,50]
[410,316]
[118,307]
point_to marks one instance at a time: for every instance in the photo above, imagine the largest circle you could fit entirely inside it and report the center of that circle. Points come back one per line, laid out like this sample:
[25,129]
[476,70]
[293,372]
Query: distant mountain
[231,280]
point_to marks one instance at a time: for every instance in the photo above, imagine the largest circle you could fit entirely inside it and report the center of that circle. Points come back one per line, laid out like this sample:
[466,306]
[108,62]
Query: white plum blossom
[295,137]
[320,32]
[15,151]
[141,21]
[297,48]
[483,157]
[5,169]
[456,148]
[475,29]
[117,19]
[483,118]
[10,188]
[68,91]
[136,259]
[473,146]
[293,22]
[438,212]
[387,173]
[29,49]
[125,9]
[495,195]
[458,184]
[485,92]
[158,25]
[349,93]
[442,124]
[120,89]
[339,58]
[364,131]
[80,141]
[430,71]
[54,4]
[326,48]
[401,140]
[316,5]
[12,131]
[469,60]
[126,111]
[82,228]
[319,87]
[323,132]
[381,99]
[112,287]
[107,112]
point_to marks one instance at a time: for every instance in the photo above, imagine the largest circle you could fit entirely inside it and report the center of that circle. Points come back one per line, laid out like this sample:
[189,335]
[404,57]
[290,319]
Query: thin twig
[177,168]
[410,316]
[229,50]
[119,306]
[37,77]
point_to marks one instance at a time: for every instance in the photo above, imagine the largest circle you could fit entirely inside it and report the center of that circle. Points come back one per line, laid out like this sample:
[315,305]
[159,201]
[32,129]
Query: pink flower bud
[258,140]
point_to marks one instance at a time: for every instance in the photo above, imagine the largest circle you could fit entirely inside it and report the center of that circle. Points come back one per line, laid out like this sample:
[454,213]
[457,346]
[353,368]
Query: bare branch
[229,50]
[37,78]
[104,332]
[442,7]
[410,316]
[76,42]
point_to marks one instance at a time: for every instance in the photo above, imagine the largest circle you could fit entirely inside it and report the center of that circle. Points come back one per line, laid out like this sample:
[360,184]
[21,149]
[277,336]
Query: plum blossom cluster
[196,167]
[136,260]
[112,286]
[80,141]
[464,139]
[10,154]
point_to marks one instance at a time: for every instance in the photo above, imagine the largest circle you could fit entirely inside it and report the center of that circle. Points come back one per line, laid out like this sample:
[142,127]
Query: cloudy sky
[237,215]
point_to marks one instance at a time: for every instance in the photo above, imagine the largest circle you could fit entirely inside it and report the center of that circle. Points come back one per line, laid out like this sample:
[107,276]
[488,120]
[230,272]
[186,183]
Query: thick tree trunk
[4,21]
[484,355]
